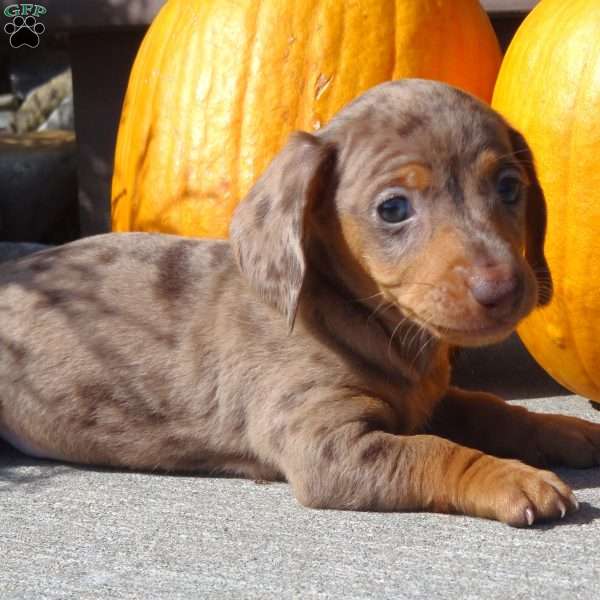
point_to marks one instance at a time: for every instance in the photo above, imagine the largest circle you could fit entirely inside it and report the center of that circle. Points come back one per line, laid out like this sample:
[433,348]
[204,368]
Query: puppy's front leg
[490,424]
[336,454]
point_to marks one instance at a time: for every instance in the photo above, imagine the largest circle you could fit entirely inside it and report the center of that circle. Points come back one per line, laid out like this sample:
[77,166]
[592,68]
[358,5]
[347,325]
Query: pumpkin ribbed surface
[218,86]
[549,89]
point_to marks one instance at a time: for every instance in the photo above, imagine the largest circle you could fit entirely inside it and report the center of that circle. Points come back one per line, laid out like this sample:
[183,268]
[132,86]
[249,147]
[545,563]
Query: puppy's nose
[494,286]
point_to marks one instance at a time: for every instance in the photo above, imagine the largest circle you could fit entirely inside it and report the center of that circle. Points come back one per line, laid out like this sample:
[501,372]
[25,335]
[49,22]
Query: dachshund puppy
[313,347]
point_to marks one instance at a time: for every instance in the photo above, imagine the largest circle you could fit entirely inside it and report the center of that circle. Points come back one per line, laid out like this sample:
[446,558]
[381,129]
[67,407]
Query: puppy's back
[107,333]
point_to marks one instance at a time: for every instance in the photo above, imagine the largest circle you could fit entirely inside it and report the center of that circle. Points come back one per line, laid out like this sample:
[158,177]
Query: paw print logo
[24,31]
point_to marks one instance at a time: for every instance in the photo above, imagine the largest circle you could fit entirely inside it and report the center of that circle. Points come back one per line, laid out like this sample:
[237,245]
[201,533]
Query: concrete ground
[71,532]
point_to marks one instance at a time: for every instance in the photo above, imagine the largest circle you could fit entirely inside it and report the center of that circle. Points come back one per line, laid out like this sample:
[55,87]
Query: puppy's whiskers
[545,284]
[501,157]
[423,347]
[397,286]
[369,297]
[389,349]
[416,335]
[385,304]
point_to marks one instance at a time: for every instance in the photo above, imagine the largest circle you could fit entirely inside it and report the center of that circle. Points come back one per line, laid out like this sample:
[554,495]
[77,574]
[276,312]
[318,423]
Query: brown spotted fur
[313,347]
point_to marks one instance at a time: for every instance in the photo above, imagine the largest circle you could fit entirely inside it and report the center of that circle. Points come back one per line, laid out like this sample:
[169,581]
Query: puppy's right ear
[268,229]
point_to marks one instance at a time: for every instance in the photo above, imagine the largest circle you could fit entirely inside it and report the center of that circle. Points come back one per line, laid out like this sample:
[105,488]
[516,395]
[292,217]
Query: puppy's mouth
[473,332]
[477,335]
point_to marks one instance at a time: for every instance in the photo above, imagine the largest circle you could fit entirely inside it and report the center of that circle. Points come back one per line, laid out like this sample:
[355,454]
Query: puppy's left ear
[535,219]
[268,231]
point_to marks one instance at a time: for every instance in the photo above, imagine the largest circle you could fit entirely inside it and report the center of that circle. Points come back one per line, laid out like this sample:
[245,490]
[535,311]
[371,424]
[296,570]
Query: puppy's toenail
[574,501]
[529,516]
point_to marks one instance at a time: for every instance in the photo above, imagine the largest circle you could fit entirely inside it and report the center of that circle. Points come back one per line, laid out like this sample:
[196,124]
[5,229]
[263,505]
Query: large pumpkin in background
[218,86]
[549,89]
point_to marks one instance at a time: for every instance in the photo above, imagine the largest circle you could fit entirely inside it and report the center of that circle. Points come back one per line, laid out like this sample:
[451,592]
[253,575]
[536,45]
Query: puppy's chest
[414,401]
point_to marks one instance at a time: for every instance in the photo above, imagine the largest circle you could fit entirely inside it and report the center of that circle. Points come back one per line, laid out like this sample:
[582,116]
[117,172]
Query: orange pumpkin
[549,89]
[218,86]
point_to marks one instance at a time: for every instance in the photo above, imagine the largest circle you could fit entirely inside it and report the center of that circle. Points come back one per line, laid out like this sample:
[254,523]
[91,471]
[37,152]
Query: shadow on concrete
[584,516]
[17,469]
[580,479]
[506,369]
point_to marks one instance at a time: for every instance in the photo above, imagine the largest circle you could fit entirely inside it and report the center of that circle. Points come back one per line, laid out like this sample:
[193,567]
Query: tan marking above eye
[489,162]
[486,163]
[414,176]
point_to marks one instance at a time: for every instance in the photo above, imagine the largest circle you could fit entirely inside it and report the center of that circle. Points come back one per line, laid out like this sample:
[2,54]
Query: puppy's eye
[509,186]
[395,208]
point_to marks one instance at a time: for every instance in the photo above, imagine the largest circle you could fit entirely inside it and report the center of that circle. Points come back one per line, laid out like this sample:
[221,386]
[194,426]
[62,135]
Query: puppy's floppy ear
[268,231]
[535,219]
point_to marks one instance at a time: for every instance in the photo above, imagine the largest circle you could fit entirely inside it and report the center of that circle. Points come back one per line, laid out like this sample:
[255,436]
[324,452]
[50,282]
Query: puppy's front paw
[515,493]
[562,440]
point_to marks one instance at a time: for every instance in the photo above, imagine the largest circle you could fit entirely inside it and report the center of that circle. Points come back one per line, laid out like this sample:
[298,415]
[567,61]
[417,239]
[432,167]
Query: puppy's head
[415,192]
